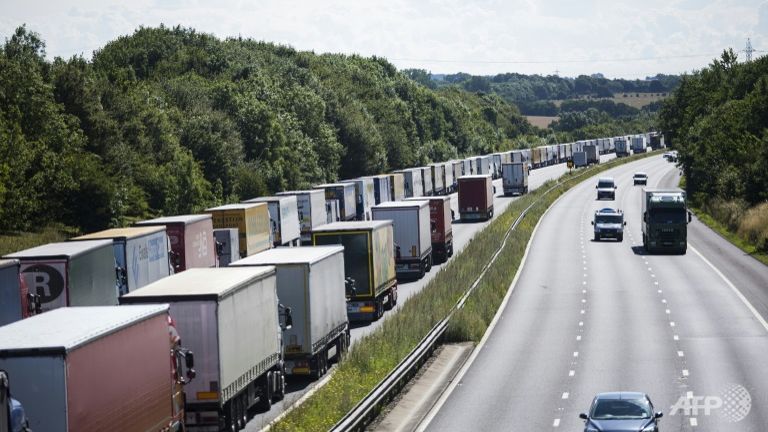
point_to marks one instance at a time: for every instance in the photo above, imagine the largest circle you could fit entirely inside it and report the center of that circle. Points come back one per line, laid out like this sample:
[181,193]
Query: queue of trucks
[219,308]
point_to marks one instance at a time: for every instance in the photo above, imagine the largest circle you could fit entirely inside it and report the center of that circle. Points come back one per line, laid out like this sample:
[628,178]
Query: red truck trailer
[96,369]
[441,224]
[191,238]
[475,197]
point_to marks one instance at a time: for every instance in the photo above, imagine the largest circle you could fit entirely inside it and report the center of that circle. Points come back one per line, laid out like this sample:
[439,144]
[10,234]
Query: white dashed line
[668,311]
[556,423]
[582,312]
[694,422]
[671,323]
[575,353]
[689,395]
[578,338]
[565,395]
[663,300]
[581,323]
[680,354]
[685,372]
[659,291]
[676,337]
[571,373]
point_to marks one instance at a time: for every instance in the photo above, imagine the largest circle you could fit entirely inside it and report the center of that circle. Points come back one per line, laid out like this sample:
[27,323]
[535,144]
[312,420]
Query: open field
[541,121]
[636,100]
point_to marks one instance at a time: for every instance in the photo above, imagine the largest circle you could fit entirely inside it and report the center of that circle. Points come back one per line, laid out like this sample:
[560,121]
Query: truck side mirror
[645,217]
[592,222]
[625,223]
[189,359]
[690,217]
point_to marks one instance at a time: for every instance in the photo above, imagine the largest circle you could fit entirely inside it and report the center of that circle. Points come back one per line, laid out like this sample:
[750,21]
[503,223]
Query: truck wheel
[450,250]
[597,237]
[265,399]
[490,214]
[242,410]
[620,237]
[429,263]
[279,393]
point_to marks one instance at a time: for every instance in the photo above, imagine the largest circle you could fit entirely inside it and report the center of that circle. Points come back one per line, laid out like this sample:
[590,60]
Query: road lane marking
[744,300]
[571,373]
[671,323]
[685,372]
[676,337]
[565,395]
[581,323]
[680,354]
[578,338]
[575,353]
[668,311]
[694,422]
[556,423]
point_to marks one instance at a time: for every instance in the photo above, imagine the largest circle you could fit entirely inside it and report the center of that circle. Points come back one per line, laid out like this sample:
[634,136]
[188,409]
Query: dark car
[640,178]
[606,188]
[621,412]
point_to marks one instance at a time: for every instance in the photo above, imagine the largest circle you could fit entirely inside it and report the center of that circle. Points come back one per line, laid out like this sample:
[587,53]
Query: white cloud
[480,36]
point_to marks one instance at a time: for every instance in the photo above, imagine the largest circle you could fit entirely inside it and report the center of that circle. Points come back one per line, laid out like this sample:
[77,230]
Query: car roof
[620,395]
[641,173]
[608,210]
[606,179]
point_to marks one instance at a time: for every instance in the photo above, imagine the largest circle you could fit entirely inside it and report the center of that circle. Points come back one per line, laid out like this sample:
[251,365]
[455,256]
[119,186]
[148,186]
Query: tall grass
[17,241]
[373,357]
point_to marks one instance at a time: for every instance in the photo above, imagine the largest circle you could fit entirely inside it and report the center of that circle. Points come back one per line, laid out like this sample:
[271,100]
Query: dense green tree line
[169,120]
[718,121]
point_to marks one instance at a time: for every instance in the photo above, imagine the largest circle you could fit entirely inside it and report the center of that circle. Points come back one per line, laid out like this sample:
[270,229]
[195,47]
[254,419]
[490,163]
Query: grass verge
[14,242]
[731,236]
[373,357]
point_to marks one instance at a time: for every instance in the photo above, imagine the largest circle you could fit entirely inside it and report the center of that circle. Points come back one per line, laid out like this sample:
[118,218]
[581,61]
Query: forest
[171,121]
[718,122]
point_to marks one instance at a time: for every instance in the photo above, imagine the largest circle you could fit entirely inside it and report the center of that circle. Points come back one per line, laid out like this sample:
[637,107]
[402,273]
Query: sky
[618,38]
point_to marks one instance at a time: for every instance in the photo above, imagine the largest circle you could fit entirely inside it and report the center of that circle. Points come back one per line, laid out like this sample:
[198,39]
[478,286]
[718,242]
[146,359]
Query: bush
[754,226]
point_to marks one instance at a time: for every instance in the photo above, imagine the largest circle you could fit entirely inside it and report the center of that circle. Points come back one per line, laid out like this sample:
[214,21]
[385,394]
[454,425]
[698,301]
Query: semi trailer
[311,207]
[441,224]
[475,198]
[283,219]
[413,239]
[251,221]
[514,178]
[191,238]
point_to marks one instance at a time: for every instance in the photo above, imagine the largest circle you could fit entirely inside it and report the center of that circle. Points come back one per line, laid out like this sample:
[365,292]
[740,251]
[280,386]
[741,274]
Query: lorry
[227,246]
[426,181]
[536,160]
[496,161]
[230,318]
[381,188]
[437,171]
[441,224]
[70,273]
[14,298]
[98,368]
[191,238]
[332,210]
[482,165]
[345,193]
[656,141]
[369,264]
[592,153]
[620,144]
[456,172]
[514,178]
[310,281]
[397,186]
[449,180]
[475,198]
[579,159]
[283,219]
[141,254]
[413,184]
[413,238]
[365,197]
[311,207]
[251,221]
[665,219]
[638,144]
[609,223]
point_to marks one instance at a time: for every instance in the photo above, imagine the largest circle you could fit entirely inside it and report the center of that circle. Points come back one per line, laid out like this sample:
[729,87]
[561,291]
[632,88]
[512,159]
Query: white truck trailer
[413,238]
[413,184]
[283,219]
[229,318]
[514,178]
[311,206]
[310,280]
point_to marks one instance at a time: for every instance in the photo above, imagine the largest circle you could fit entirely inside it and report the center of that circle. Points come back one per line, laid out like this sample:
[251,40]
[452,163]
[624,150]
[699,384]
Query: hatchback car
[640,178]
[606,188]
[621,412]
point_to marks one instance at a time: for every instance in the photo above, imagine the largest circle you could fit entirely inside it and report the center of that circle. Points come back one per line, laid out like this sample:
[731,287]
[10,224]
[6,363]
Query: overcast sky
[619,38]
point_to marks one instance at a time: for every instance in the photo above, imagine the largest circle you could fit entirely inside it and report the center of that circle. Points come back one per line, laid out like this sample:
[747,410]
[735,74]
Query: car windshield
[640,176]
[605,184]
[668,216]
[621,409]
[608,219]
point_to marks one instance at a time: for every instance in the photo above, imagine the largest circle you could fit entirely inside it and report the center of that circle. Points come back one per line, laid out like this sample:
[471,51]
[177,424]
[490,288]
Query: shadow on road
[639,250]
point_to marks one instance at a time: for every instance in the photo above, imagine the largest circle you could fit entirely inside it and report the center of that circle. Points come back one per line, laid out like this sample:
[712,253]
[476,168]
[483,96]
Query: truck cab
[609,223]
[665,219]
[606,188]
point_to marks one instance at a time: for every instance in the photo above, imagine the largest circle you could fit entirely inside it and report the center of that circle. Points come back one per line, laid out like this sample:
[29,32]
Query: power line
[607,60]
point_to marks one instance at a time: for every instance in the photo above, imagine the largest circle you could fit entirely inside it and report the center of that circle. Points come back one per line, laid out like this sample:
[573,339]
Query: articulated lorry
[70,273]
[251,221]
[310,281]
[621,146]
[441,222]
[475,198]
[311,207]
[283,219]
[15,301]
[227,246]
[638,144]
[191,238]
[345,193]
[141,254]
[365,197]
[592,153]
[514,178]
[412,182]
[665,220]
[397,186]
[98,368]
[229,317]
[369,265]
[413,240]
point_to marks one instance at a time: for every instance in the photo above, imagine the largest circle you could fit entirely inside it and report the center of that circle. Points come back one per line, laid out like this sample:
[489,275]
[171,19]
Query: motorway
[588,317]
[462,234]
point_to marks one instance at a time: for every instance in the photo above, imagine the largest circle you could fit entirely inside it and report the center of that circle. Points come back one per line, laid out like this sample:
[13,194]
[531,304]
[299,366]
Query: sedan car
[621,412]
[640,178]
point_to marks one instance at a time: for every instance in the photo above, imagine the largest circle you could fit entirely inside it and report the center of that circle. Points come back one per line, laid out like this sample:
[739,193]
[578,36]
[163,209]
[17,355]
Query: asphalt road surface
[462,234]
[588,317]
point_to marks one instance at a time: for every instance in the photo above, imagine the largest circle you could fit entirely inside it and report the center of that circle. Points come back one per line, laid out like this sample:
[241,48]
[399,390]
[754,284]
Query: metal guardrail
[368,408]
